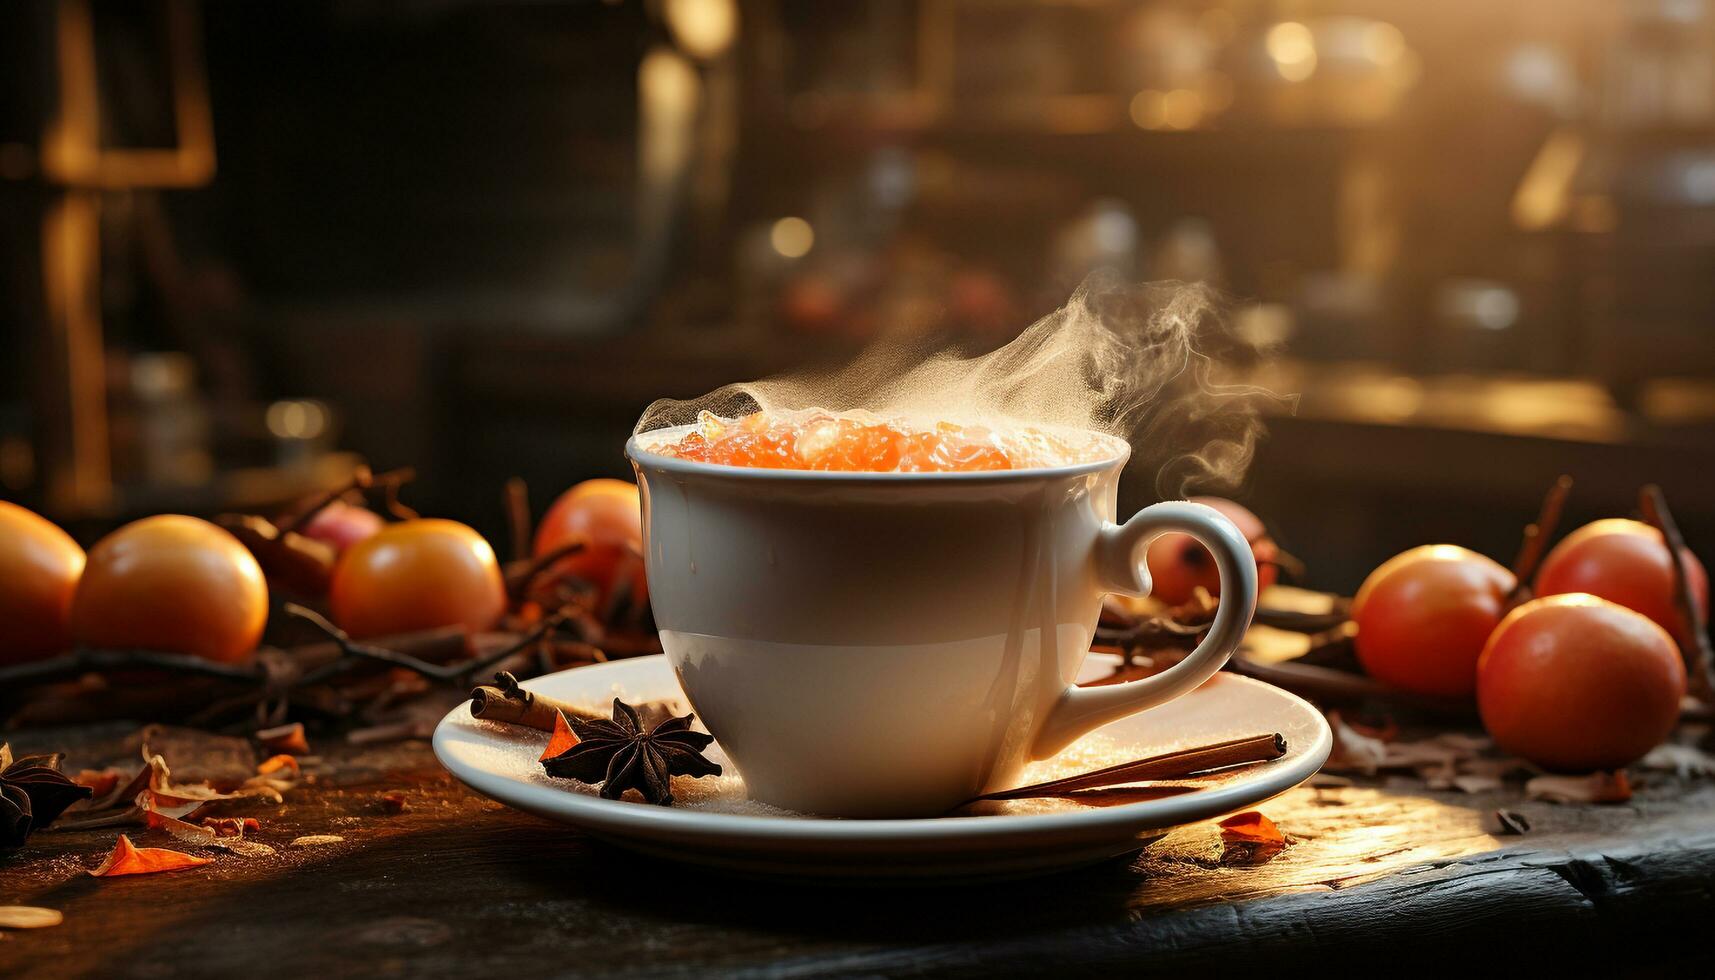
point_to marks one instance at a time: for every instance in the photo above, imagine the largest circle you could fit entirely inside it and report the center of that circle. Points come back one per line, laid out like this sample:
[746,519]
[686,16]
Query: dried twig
[357,651]
[85,661]
[1154,632]
[1536,538]
[517,500]
[1293,621]
[361,479]
[1694,644]
[522,576]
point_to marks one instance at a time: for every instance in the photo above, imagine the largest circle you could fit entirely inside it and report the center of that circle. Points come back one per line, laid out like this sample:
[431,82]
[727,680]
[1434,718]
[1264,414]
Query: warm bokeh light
[1543,196]
[1292,47]
[792,237]
[1383,43]
[297,419]
[1147,110]
[1182,108]
[703,28]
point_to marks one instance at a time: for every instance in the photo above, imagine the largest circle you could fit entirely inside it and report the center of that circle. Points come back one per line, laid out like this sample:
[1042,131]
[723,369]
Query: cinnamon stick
[506,702]
[1179,764]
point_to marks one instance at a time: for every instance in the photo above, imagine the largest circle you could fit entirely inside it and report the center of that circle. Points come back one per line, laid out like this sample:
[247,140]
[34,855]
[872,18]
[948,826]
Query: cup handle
[1120,568]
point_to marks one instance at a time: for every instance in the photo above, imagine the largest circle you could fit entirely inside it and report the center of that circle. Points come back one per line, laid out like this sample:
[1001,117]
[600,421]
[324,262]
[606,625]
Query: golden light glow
[1383,43]
[1594,214]
[1293,50]
[668,91]
[1218,23]
[1217,92]
[1182,108]
[792,237]
[703,28]
[1147,110]
[297,419]
[1545,193]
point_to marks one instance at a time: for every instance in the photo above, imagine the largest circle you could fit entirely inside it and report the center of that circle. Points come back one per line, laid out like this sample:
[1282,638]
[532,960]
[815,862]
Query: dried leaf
[198,756]
[231,826]
[1250,838]
[245,848]
[1684,761]
[1439,760]
[562,739]
[124,795]
[276,763]
[1464,742]
[1354,750]
[316,840]
[195,835]
[1498,768]
[169,806]
[1251,827]
[1474,783]
[128,859]
[29,917]
[288,739]
[1507,823]
[99,783]
[269,788]
[164,792]
[1598,787]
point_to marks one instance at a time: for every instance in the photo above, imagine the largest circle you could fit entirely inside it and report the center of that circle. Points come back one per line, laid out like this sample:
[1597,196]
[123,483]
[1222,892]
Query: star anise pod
[620,755]
[33,792]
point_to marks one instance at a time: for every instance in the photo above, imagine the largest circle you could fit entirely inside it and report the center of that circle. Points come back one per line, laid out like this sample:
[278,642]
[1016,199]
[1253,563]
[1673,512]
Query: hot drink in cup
[883,616]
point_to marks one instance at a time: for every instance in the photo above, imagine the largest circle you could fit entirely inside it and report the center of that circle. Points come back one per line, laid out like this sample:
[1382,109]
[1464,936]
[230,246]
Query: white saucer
[1007,839]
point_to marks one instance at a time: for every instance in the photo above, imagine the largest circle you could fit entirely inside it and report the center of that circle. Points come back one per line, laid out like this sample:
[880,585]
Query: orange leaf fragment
[129,859]
[1251,827]
[277,763]
[288,739]
[562,740]
[102,783]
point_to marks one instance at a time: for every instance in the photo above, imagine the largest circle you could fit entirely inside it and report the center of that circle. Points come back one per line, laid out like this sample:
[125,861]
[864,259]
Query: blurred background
[247,246]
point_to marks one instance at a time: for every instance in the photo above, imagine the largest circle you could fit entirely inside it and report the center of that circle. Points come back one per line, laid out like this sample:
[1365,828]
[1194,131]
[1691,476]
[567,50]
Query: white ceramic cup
[893,644]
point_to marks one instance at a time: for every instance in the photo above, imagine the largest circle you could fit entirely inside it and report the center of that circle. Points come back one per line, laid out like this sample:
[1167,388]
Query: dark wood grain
[459,886]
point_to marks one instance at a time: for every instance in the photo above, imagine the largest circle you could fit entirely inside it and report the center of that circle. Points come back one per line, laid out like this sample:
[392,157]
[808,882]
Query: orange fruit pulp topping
[862,443]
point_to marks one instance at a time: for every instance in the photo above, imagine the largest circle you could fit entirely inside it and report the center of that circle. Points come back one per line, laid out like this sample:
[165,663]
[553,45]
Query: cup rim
[640,456]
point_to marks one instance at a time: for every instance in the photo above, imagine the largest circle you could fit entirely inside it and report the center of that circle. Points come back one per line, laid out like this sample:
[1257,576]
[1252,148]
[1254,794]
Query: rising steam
[1143,362]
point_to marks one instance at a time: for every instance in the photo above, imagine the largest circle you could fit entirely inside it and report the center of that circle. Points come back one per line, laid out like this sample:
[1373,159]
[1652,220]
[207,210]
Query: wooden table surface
[455,885]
